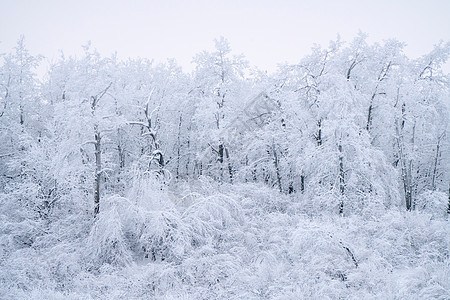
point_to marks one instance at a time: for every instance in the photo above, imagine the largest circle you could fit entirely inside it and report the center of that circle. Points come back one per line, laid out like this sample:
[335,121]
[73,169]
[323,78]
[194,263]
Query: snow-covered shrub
[323,252]
[148,192]
[106,243]
[151,222]
[211,273]
[213,217]
[164,236]
[433,202]
[260,198]
[156,233]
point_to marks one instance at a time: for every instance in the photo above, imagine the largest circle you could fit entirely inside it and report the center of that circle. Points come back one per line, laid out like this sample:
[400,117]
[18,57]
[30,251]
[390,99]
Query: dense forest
[135,180]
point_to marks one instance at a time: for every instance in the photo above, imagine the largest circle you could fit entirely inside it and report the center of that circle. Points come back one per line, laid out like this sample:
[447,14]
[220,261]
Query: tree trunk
[220,154]
[341,181]
[406,178]
[22,118]
[121,154]
[319,133]
[230,168]
[291,182]
[412,182]
[98,152]
[98,170]
[179,147]
[188,150]
[406,166]
[436,159]
[369,114]
[276,165]
[448,208]
[302,183]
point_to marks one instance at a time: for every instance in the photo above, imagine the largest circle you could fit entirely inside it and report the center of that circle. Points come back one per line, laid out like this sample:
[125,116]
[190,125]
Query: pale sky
[267,32]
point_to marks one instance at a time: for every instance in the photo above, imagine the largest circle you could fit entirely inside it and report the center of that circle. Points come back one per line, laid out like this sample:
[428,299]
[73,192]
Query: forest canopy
[129,178]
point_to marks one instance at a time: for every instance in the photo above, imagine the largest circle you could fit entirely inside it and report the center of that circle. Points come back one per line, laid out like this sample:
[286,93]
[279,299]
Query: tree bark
[341,180]
[436,159]
[98,152]
[319,133]
[448,208]
[98,170]
[302,183]
[369,114]
[179,147]
[276,165]
[230,168]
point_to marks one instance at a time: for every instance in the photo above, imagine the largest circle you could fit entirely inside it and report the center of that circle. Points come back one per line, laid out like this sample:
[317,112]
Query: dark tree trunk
[276,165]
[435,166]
[319,133]
[369,116]
[188,150]
[341,180]
[448,208]
[220,153]
[291,188]
[302,183]
[98,170]
[98,152]
[230,168]
[179,147]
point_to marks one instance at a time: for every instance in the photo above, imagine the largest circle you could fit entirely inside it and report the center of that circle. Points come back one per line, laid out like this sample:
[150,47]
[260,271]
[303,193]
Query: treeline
[353,128]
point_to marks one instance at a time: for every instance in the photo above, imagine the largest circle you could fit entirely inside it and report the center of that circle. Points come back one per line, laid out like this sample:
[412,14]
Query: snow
[320,199]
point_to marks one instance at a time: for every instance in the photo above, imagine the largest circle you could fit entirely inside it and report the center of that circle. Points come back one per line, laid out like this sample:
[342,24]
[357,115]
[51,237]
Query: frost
[133,180]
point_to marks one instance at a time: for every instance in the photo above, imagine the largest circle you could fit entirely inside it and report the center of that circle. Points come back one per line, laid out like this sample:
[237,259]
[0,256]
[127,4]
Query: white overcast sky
[267,32]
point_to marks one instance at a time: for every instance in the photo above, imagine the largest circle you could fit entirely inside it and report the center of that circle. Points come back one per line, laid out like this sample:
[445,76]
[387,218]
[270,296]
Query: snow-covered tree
[218,80]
